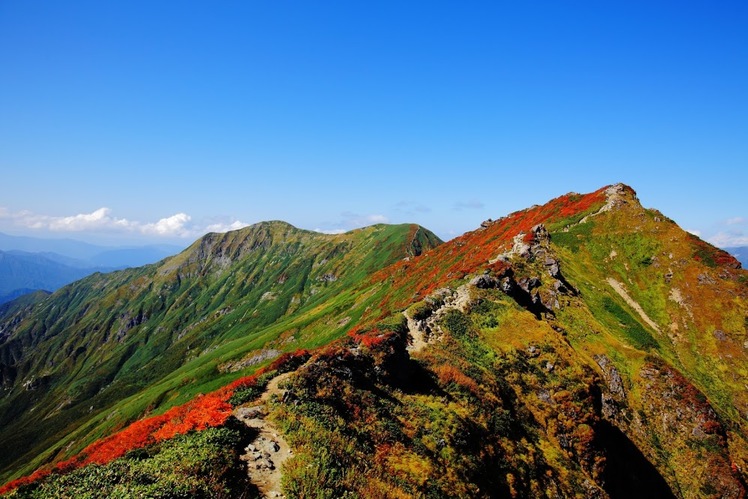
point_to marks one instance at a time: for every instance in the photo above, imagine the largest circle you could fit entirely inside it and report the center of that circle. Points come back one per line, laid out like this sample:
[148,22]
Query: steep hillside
[111,347]
[588,347]
[585,348]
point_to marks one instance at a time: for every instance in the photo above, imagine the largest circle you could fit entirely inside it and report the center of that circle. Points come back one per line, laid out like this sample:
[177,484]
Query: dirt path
[267,452]
[618,287]
[417,335]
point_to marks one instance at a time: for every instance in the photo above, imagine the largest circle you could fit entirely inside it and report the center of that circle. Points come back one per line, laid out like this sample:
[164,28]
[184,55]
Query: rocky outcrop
[616,195]
[541,284]
[615,396]
[422,319]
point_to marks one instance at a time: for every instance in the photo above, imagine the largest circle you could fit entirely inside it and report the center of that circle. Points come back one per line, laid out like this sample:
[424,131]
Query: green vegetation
[199,464]
[457,324]
[634,331]
[575,236]
[606,360]
[108,349]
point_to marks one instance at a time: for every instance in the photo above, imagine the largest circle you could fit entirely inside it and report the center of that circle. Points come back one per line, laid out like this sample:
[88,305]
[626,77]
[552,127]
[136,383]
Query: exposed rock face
[537,292]
[612,376]
[422,323]
[484,281]
[249,360]
[540,250]
[616,394]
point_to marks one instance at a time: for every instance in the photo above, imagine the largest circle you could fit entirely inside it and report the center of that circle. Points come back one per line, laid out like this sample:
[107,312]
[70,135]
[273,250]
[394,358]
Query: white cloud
[175,225]
[225,227]
[353,220]
[695,232]
[728,233]
[729,239]
[101,220]
[377,219]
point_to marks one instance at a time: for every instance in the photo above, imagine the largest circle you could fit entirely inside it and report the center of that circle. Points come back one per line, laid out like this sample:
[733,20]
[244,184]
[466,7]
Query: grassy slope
[580,399]
[698,301]
[509,402]
[107,349]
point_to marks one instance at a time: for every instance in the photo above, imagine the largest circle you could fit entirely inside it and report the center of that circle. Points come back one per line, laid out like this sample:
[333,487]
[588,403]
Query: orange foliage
[450,374]
[37,475]
[138,434]
[711,255]
[382,452]
[472,251]
[202,412]
[370,339]
[244,382]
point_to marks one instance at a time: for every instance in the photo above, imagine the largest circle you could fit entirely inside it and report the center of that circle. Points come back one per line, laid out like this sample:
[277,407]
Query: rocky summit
[587,347]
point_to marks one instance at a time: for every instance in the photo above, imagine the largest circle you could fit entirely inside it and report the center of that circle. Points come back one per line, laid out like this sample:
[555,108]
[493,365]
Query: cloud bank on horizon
[177,226]
[728,233]
[102,221]
[731,233]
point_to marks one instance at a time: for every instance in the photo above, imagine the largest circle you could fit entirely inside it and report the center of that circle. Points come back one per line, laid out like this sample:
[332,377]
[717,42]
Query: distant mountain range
[29,264]
[587,347]
[22,272]
[79,253]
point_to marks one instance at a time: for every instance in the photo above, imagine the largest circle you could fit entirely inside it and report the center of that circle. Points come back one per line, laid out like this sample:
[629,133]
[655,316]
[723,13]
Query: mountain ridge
[159,325]
[553,341]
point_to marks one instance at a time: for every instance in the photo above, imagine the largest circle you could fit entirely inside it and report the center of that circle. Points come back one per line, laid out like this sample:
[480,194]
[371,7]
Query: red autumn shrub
[37,475]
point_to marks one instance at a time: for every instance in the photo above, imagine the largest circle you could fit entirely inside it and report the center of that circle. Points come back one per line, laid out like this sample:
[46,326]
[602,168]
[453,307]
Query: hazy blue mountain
[741,253]
[22,273]
[55,257]
[66,247]
[84,255]
[29,264]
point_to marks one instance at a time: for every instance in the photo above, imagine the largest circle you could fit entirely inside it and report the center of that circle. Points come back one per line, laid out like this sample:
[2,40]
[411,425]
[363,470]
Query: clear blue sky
[150,121]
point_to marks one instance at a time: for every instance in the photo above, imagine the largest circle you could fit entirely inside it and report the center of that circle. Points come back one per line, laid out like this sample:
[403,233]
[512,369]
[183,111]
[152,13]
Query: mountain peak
[555,339]
[617,194]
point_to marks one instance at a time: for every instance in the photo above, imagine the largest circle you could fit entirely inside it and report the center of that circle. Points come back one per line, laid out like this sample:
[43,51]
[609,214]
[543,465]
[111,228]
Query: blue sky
[157,121]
